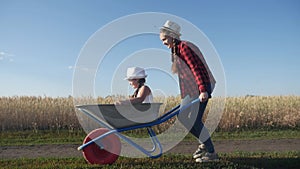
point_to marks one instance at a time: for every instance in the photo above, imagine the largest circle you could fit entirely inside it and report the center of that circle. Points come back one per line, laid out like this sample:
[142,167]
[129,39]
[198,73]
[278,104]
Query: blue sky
[40,41]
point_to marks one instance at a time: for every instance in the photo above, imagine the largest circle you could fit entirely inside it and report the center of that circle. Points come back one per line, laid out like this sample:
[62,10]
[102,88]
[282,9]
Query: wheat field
[47,113]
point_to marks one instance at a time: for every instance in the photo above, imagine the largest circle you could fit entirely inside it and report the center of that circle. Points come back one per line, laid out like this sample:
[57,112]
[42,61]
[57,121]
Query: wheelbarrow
[103,145]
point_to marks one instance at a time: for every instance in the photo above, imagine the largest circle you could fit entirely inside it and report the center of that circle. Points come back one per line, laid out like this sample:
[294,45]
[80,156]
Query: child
[136,77]
[196,81]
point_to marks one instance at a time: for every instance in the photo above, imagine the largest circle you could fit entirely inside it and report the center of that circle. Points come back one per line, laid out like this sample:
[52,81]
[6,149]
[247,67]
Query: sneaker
[200,151]
[208,157]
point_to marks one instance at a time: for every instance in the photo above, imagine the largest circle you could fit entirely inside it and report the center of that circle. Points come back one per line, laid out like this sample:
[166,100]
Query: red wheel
[95,155]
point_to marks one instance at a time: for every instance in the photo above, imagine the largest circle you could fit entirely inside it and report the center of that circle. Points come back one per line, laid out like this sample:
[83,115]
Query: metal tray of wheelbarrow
[121,116]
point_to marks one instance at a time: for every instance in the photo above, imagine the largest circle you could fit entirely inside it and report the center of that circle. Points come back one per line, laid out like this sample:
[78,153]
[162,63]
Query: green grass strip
[236,160]
[15,138]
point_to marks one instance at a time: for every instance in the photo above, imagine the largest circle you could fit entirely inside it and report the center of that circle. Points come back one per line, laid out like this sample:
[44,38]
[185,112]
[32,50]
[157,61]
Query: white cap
[171,27]
[135,73]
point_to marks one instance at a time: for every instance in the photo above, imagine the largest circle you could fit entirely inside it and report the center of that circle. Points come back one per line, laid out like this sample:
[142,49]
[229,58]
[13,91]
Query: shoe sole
[198,155]
[199,160]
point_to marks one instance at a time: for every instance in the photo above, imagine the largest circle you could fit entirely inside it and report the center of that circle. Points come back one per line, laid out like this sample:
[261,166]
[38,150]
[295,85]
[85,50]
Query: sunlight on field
[253,112]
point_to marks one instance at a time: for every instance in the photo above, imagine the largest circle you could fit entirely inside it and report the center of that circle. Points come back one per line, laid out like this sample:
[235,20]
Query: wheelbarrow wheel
[94,154]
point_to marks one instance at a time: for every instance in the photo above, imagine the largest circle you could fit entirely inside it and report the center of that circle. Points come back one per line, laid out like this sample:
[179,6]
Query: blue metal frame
[156,144]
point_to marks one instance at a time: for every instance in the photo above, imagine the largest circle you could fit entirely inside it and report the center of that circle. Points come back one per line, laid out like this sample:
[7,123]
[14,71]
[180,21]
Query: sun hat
[171,27]
[135,73]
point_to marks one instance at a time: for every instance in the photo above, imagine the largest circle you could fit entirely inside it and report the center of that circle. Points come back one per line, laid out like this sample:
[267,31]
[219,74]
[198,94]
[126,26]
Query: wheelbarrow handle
[190,104]
[196,100]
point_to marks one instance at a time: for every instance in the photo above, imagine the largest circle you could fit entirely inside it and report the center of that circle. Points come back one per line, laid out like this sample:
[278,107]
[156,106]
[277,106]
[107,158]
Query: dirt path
[8,152]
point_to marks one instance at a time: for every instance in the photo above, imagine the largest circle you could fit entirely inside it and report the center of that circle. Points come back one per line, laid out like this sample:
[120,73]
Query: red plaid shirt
[192,71]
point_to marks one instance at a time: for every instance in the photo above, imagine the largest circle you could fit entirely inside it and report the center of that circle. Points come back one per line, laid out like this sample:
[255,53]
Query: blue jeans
[191,118]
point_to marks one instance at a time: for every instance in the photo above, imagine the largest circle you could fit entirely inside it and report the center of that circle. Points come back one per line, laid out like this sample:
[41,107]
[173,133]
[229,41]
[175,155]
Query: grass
[257,134]
[16,138]
[41,137]
[237,160]
[45,120]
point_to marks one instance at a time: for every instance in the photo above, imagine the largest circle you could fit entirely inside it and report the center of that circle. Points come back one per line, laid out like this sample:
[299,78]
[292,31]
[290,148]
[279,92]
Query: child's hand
[118,103]
[122,102]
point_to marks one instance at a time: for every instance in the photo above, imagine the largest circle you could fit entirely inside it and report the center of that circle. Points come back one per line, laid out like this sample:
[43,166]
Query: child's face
[134,83]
